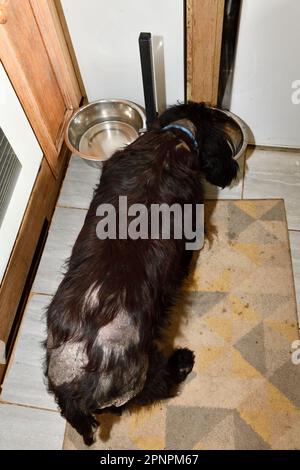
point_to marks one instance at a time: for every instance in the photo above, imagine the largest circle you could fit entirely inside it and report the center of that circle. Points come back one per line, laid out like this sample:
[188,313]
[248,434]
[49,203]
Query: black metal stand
[147,74]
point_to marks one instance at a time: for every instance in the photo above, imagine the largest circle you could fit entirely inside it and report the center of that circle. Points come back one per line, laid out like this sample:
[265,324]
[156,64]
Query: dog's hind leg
[164,375]
[84,425]
[78,416]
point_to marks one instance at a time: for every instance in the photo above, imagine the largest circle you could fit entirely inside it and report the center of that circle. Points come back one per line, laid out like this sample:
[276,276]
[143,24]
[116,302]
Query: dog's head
[217,164]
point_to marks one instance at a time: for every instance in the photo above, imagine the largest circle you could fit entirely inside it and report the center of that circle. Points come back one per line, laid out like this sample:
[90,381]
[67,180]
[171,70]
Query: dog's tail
[74,407]
[84,422]
[74,393]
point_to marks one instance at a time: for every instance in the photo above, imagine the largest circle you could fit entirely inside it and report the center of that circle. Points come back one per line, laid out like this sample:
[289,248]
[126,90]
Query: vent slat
[10,168]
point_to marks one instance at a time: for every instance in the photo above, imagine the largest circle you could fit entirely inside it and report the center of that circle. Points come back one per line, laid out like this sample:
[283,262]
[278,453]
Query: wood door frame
[204,27]
[47,24]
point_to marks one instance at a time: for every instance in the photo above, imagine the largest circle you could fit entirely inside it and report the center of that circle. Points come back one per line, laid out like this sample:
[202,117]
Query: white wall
[267,63]
[105,38]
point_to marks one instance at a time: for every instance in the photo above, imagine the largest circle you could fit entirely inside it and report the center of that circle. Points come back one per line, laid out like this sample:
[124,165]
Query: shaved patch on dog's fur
[115,339]
[133,381]
[67,362]
[120,331]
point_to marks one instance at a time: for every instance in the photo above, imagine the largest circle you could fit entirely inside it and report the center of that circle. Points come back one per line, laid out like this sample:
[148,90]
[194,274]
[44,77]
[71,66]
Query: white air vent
[10,168]
[20,158]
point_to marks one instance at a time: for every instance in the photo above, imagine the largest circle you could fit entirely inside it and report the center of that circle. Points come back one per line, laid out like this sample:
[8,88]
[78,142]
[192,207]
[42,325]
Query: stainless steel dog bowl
[100,128]
[236,130]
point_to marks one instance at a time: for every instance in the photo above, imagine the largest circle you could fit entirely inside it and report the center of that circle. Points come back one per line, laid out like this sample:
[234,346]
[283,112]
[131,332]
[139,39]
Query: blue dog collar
[185,131]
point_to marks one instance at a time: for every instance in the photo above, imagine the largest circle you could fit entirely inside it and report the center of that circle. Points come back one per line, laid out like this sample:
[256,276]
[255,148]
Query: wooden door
[33,53]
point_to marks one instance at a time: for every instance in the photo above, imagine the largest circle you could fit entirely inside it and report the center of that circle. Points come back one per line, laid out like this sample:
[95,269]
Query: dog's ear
[217,164]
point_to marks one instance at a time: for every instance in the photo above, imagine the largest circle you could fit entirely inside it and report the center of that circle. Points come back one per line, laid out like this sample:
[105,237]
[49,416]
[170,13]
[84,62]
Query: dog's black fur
[106,315]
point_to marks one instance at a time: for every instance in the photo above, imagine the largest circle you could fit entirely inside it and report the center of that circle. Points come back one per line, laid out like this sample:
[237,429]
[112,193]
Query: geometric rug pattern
[238,314]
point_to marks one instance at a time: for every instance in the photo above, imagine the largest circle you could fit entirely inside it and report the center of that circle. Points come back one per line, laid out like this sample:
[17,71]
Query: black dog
[107,313]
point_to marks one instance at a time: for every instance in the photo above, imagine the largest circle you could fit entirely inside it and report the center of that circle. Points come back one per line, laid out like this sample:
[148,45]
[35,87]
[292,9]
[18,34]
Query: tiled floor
[24,403]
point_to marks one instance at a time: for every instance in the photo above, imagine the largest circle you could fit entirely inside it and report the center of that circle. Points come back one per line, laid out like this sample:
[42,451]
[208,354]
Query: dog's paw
[181,363]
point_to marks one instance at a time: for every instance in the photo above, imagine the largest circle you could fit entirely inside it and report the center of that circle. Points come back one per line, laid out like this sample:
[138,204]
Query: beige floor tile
[275,174]
[24,382]
[79,184]
[24,428]
[65,227]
